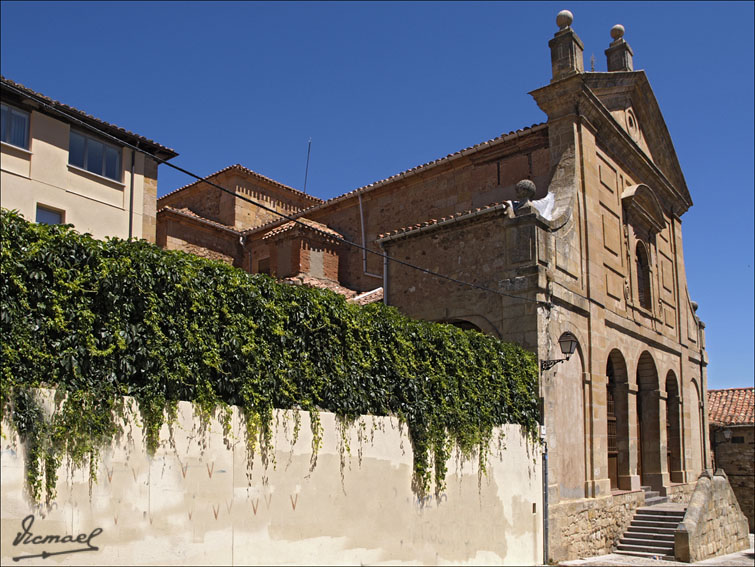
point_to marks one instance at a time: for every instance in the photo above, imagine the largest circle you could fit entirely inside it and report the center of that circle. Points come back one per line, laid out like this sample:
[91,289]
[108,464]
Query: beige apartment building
[56,170]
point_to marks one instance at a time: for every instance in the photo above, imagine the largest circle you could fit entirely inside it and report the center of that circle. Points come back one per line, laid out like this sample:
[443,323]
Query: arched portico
[620,418]
[674,462]
[651,457]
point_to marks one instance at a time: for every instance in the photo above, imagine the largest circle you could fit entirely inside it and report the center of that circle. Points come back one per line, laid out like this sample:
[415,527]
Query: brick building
[589,247]
[732,435]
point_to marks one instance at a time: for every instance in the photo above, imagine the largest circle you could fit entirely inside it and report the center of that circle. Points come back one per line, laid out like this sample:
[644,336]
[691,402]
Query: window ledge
[96,177]
[16,149]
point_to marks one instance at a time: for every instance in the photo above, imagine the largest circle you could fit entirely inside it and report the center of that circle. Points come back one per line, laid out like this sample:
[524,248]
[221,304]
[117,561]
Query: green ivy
[101,320]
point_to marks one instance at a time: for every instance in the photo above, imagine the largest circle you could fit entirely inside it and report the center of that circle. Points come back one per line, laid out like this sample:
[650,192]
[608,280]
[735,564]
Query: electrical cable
[121,142]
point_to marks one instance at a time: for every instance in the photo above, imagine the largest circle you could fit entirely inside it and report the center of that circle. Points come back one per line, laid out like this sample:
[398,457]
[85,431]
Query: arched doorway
[649,463]
[617,421]
[673,429]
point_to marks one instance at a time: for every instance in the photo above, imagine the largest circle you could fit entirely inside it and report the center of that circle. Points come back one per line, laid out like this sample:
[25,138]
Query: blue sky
[382,87]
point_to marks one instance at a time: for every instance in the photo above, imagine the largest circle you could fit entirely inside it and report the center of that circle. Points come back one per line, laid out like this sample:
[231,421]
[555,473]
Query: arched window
[643,276]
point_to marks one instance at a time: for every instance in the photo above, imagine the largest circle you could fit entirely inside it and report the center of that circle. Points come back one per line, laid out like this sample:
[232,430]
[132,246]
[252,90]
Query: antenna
[306,170]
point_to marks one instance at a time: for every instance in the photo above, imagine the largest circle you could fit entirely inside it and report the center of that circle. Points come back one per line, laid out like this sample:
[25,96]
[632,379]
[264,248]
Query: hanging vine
[98,321]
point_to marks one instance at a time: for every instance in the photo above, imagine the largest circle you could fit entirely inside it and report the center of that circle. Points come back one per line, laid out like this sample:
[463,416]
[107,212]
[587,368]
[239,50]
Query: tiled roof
[368,297]
[733,406]
[194,216]
[320,283]
[111,129]
[316,226]
[502,139]
[443,220]
[254,174]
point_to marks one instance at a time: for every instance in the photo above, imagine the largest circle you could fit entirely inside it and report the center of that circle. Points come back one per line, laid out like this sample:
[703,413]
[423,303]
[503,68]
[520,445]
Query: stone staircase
[651,532]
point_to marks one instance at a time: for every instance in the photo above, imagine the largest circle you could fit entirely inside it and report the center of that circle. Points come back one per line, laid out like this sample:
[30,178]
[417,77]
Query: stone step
[641,539]
[648,524]
[660,516]
[655,500]
[666,510]
[649,555]
[647,548]
[667,537]
[666,532]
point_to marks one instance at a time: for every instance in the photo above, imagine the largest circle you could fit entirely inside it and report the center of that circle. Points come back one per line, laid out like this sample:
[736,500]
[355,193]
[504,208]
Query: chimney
[619,54]
[566,49]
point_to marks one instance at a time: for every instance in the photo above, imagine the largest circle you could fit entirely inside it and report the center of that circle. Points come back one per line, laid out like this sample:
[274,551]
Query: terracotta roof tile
[192,215]
[513,135]
[454,217]
[112,129]
[733,406]
[254,174]
[316,226]
[368,297]
[319,283]
[471,149]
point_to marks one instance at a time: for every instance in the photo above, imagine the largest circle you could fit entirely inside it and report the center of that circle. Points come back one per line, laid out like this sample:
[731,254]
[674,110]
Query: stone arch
[473,322]
[617,421]
[566,420]
[673,428]
[650,465]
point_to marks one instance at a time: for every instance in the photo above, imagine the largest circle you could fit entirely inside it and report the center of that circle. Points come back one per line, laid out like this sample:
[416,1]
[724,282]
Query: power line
[269,209]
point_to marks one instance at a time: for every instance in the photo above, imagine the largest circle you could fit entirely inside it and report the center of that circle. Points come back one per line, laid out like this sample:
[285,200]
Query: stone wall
[588,527]
[198,501]
[177,232]
[736,456]
[680,493]
[714,524]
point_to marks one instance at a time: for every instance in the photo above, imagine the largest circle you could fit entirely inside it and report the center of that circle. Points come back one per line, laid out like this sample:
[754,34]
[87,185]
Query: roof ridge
[53,102]
[251,172]
[416,169]
[188,213]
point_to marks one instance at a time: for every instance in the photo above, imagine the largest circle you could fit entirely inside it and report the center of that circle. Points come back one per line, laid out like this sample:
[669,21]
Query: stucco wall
[92,203]
[197,502]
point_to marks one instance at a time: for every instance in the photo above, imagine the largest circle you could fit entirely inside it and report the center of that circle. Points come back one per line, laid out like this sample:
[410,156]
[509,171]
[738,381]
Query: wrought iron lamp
[568,344]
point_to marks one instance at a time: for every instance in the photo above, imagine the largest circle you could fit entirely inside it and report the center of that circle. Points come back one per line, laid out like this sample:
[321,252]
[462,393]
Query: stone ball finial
[564,19]
[694,306]
[525,190]
[617,32]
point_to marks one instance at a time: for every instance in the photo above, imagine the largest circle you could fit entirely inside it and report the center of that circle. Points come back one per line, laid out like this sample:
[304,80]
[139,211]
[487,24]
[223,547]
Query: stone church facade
[569,227]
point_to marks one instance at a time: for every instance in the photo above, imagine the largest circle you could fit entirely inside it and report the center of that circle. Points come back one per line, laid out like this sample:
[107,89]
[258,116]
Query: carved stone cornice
[642,208]
[573,97]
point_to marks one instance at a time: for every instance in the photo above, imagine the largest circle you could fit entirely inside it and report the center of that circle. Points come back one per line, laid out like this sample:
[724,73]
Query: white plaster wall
[197,502]
[92,203]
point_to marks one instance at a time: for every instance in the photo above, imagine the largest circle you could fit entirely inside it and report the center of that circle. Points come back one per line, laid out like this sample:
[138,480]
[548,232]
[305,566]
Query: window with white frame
[15,126]
[49,216]
[95,156]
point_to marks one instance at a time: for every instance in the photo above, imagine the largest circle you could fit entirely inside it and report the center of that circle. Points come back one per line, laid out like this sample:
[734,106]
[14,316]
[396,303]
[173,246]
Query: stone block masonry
[714,524]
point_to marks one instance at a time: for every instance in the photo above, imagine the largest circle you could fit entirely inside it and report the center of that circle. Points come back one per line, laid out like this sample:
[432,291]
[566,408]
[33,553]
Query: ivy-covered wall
[101,320]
